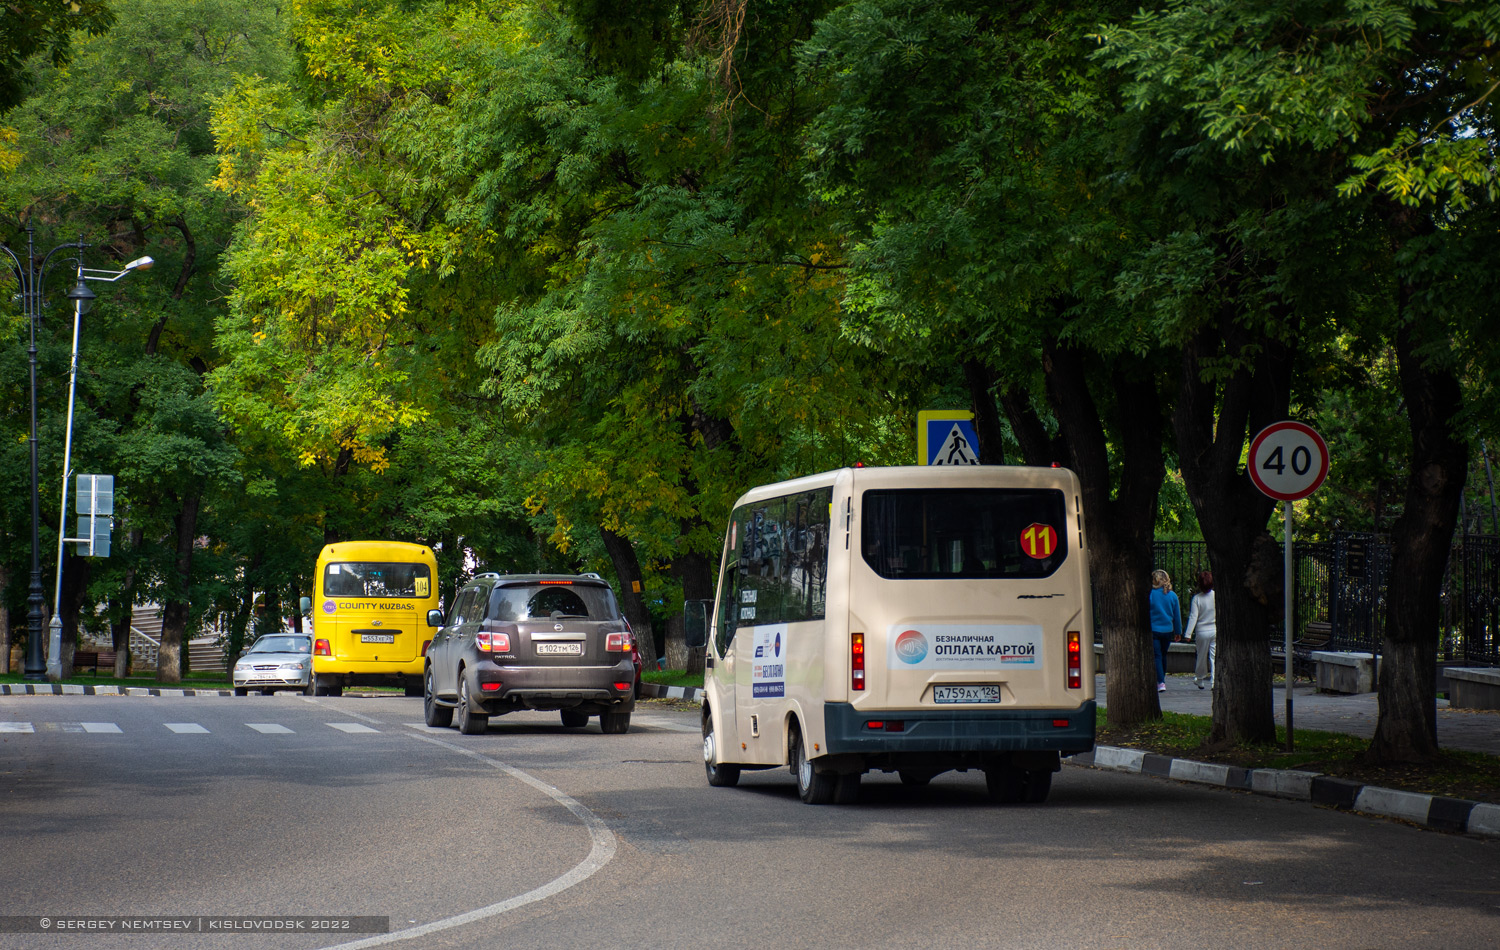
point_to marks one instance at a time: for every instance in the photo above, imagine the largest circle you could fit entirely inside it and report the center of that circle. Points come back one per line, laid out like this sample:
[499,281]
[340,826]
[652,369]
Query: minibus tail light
[617,642]
[425,645]
[321,648]
[489,642]
[857,661]
[1075,660]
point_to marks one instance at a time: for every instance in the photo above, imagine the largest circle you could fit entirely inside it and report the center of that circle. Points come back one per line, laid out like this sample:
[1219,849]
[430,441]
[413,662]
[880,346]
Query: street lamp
[83,299]
[30,278]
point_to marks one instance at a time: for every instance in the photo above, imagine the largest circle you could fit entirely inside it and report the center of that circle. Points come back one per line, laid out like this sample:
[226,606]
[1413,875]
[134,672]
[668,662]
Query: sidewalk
[1468,729]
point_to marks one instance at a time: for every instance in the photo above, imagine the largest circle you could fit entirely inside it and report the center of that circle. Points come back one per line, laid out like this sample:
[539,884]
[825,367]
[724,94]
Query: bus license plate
[966,694]
[377,638]
[560,649]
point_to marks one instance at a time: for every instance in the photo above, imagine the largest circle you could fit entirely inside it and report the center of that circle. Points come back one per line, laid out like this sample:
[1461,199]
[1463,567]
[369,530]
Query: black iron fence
[1342,583]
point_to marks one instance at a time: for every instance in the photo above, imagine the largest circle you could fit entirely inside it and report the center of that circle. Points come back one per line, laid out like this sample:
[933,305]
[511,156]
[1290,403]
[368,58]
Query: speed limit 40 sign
[1288,460]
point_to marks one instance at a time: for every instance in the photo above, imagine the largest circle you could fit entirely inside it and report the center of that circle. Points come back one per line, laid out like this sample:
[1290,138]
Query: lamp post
[30,278]
[83,299]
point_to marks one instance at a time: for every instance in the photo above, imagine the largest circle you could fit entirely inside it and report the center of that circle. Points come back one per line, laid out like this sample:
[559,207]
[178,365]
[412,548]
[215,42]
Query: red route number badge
[1038,541]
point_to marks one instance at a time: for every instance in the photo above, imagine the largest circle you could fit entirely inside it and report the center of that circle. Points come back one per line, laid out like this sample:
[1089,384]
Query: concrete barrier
[1473,687]
[1345,672]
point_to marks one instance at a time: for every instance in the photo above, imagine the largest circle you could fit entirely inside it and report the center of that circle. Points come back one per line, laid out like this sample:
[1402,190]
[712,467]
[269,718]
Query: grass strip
[673,678]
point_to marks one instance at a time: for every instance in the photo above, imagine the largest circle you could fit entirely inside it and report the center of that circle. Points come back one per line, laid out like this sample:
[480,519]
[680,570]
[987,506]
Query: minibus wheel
[1038,784]
[438,717]
[1007,785]
[470,723]
[722,775]
[813,787]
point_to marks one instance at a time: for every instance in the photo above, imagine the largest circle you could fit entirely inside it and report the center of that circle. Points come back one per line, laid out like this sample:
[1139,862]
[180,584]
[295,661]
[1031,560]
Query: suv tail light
[617,643]
[1075,660]
[321,648]
[857,661]
[489,642]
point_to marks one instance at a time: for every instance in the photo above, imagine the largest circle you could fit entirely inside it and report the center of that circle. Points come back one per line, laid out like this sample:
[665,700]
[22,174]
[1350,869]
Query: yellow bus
[907,619]
[369,615]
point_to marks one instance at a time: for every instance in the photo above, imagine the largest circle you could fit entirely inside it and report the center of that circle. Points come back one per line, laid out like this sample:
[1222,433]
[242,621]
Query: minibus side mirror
[695,623]
[305,605]
[434,618]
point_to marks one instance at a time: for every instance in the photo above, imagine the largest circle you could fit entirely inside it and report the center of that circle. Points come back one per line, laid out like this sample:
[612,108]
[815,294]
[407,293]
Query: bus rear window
[377,579]
[964,533]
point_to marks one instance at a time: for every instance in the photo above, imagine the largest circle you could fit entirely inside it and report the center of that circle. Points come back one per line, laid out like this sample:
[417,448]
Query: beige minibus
[906,619]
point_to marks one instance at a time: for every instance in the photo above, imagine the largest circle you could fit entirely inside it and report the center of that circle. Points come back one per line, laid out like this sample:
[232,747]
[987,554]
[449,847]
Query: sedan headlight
[299,665]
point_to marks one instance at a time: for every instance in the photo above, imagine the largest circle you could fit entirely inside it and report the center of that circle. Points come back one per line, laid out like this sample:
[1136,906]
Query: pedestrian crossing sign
[946,437]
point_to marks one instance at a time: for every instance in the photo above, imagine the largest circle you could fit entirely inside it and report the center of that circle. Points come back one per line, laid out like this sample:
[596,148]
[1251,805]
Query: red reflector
[321,648]
[895,725]
[874,724]
[489,687]
[554,582]
[622,686]
[1061,723]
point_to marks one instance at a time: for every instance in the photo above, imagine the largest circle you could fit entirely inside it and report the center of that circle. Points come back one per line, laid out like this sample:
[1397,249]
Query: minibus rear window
[377,579]
[912,534]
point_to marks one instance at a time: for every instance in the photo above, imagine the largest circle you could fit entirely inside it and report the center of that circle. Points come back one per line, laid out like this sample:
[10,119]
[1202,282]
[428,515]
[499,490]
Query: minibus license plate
[966,694]
[560,649]
[377,638]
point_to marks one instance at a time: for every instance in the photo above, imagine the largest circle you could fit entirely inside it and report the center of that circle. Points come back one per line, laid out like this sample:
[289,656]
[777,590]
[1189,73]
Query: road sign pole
[1286,599]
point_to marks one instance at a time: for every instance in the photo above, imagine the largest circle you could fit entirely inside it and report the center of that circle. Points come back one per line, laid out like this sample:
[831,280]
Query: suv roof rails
[485,574]
[591,574]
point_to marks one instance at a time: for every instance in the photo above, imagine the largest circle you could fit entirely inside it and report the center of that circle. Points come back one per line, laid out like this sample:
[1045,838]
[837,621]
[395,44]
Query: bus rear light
[1075,660]
[857,661]
[425,645]
[489,642]
[617,642]
[321,648]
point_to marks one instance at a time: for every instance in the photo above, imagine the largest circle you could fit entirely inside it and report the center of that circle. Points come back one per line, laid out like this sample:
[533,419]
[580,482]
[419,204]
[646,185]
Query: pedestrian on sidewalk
[1202,628]
[1166,623]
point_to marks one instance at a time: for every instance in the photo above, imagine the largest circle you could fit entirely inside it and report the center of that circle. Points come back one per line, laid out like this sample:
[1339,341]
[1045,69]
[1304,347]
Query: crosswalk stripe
[99,727]
[270,728]
[186,728]
[352,727]
[16,727]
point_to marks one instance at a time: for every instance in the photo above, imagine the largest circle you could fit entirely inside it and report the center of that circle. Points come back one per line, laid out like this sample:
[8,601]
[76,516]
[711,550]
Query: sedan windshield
[293,644]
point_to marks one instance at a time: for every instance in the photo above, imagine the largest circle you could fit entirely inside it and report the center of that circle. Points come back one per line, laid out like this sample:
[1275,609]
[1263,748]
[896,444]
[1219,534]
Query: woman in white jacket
[1202,629]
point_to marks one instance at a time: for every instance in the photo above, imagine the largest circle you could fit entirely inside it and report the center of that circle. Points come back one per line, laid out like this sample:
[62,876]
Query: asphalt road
[538,836]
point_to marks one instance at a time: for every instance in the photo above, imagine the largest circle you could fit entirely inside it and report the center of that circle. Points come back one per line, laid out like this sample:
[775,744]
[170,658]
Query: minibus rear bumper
[849,730]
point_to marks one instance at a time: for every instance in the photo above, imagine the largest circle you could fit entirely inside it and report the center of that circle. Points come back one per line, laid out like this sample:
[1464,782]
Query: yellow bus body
[369,614]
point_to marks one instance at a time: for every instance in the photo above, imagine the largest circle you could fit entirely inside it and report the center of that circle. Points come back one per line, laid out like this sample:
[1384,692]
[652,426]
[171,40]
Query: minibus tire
[847,790]
[1007,785]
[1038,784]
[327,686]
[813,787]
[572,718]
[614,723]
[439,717]
[411,685]
[908,777]
[722,775]
[470,723]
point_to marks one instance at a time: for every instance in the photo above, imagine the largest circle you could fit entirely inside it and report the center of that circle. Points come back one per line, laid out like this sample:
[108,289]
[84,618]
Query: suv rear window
[540,601]
[964,532]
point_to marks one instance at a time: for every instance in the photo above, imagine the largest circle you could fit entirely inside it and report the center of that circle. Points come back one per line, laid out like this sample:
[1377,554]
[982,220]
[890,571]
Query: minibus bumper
[849,730]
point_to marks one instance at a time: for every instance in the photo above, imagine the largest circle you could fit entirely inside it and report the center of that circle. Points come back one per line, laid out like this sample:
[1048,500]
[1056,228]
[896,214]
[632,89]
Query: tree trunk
[4,621]
[981,380]
[628,570]
[175,611]
[693,571]
[1406,731]
[1118,524]
[1212,427]
[123,609]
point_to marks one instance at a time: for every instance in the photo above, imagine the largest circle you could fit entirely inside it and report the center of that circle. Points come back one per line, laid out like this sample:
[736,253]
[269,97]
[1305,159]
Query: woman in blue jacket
[1166,623]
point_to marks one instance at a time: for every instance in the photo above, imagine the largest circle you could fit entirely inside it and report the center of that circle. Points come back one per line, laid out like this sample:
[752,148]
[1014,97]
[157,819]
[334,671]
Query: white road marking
[99,727]
[423,727]
[600,853]
[352,727]
[16,727]
[270,728]
[186,728]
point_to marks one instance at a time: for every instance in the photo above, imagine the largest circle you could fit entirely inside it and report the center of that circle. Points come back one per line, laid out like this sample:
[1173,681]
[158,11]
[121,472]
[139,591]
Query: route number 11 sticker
[1038,541]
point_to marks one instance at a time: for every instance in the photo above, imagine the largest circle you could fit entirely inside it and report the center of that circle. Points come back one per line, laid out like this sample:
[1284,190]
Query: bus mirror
[305,605]
[695,623]
[434,618]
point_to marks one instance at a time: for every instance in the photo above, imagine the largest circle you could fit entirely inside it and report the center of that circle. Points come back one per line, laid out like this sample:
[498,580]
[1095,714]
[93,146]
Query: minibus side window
[807,553]
[729,607]
[763,563]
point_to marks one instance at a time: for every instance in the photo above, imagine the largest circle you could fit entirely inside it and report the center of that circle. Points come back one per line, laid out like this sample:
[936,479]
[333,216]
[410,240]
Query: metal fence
[1343,583]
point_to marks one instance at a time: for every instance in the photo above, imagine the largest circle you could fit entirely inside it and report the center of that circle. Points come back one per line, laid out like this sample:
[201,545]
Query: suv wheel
[470,723]
[614,723]
[572,718]
[434,715]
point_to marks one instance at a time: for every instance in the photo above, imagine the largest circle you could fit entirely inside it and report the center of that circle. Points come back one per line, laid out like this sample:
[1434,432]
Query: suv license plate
[966,694]
[560,649]
[377,638]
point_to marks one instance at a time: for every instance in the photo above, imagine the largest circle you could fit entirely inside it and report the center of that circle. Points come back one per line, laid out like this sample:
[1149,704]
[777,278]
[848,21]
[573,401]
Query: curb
[657,691]
[1429,811]
[69,689]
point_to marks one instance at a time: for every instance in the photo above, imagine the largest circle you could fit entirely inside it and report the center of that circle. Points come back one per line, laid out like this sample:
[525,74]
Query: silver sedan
[275,661]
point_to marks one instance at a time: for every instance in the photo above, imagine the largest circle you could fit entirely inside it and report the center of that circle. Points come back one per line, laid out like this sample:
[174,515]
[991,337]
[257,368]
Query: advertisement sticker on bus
[964,646]
[768,666]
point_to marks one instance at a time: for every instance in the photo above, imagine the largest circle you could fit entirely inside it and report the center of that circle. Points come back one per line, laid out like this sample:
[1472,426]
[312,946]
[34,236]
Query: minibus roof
[925,476]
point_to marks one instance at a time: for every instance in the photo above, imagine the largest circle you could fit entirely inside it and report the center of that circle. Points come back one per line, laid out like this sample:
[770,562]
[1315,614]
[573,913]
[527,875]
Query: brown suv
[530,641]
